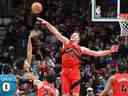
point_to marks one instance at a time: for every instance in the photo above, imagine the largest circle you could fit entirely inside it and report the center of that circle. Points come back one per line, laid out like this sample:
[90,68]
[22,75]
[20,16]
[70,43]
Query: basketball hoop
[123,21]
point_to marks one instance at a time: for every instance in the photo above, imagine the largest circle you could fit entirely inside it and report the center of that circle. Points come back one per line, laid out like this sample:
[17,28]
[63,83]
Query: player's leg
[65,84]
[75,78]
[76,90]
[66,94]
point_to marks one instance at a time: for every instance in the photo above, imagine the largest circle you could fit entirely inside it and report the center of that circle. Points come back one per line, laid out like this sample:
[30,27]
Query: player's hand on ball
[114,48]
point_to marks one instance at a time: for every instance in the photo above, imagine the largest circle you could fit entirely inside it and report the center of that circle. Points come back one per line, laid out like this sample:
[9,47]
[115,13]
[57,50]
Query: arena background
[16,22]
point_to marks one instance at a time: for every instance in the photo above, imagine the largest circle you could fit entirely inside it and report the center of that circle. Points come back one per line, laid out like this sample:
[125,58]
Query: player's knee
[66,94]
[75,94]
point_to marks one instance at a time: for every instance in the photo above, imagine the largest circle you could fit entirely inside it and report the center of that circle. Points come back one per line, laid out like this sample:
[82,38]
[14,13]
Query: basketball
[36,8]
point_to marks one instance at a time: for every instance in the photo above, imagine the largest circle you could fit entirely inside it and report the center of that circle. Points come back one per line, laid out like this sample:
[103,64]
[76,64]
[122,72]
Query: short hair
[122,68]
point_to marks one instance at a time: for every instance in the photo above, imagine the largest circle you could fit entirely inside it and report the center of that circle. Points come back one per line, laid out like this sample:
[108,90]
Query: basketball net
[123,21]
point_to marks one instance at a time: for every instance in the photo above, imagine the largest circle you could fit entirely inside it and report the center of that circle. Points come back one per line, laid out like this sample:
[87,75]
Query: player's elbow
[94,54]
[97,54]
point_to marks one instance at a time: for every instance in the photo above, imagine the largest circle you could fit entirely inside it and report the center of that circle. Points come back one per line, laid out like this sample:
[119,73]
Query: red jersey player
[70,58]
[46,89]
[118,83]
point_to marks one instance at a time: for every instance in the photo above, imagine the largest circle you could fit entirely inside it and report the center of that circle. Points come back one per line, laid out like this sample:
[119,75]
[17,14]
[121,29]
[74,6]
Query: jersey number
[6,87]
[124,89]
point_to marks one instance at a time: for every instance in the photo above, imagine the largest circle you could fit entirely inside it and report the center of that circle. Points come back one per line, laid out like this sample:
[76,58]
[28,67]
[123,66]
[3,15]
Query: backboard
[108,10]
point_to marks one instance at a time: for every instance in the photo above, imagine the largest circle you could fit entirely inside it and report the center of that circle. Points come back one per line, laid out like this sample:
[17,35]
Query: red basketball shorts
[68,77]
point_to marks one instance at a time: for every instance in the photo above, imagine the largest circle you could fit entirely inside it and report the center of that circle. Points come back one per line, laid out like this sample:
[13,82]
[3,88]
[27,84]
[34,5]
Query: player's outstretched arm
[29,54]
[107,88]
[87,51]
[29,49]
[53,30]
[28,60]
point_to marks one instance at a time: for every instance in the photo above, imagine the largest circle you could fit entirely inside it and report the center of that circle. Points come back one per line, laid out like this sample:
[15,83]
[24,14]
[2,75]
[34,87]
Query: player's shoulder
[115,76]
[66,44]
[112,78]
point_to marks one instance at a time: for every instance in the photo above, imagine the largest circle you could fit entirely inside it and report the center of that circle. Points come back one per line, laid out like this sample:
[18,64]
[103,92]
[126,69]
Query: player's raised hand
[42,21]
[114,48]
[33,33]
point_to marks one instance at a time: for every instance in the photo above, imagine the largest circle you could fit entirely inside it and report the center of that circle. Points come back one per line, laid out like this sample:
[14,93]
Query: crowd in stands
[67,16]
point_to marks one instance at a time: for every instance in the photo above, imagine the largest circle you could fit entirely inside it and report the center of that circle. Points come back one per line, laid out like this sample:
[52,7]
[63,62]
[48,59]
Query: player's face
[75,37]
